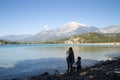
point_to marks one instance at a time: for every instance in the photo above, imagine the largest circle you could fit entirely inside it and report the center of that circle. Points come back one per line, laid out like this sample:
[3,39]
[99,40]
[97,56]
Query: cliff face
[76,40]
[2,42]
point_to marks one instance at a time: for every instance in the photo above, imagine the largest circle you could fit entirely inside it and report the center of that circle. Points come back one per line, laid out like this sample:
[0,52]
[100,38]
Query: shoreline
[66,44]
[103,70]
[96,44]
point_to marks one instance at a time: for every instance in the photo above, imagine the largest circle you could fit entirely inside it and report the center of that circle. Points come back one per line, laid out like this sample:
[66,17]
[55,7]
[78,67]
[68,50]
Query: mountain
[65,31]
[110,29]
[75,28]
[14,37]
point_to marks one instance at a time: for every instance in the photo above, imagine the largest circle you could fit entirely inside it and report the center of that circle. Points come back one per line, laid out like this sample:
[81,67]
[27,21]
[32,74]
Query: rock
[46,73]
[108,70]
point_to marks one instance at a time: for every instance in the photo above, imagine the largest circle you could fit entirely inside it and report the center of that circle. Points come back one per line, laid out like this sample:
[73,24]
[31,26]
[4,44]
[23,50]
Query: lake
[23,60]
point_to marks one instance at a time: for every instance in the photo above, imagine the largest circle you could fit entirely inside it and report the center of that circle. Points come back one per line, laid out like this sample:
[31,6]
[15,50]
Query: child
[78,63]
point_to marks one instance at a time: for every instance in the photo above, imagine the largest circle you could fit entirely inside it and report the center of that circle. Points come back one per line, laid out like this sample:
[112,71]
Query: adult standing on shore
[70,59]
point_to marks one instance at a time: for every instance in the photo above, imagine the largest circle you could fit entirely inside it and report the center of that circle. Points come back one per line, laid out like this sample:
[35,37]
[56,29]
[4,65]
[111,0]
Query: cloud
[46,27]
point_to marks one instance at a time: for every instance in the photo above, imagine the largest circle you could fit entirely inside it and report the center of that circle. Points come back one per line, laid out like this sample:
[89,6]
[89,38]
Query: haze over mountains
[67,30]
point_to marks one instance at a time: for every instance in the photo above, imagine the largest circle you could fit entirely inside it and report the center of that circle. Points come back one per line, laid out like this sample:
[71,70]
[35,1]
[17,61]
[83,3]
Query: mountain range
[65,31]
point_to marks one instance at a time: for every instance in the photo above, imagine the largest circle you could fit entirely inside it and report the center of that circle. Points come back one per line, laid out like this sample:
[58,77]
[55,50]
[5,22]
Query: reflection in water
[96,52]
[26,68]
[86,52]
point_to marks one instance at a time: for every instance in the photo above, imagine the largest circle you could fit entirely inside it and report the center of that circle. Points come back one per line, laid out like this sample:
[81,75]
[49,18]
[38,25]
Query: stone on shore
[108,70]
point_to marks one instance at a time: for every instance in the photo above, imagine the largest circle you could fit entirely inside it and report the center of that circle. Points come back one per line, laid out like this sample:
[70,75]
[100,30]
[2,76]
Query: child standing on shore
[78,63]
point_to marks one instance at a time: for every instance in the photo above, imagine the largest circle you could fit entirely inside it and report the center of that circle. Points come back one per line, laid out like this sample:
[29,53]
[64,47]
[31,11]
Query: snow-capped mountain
[69,27]
[66,30]
[110,29]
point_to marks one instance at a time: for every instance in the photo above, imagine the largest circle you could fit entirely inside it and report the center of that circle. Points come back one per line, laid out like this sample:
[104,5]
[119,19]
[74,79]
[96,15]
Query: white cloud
[46,27]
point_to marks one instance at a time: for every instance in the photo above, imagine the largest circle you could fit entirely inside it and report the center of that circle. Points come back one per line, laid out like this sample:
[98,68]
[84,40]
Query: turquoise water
[11,54]
[29,58]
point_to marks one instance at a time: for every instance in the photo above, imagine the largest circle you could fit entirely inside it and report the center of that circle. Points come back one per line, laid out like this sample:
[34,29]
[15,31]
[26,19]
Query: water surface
[35,58]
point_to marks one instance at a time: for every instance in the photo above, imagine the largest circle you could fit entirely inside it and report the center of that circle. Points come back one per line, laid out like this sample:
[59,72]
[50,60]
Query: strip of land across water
[104,70]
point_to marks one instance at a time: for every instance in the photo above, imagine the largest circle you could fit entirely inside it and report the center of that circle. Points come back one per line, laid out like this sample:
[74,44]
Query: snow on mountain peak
[71,26]
[74,24]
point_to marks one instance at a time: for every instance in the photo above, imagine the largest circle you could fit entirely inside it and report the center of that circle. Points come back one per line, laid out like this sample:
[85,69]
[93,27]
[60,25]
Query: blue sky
[31,16]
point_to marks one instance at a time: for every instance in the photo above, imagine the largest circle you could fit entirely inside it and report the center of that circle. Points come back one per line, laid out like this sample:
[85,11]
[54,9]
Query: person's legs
[78,68]
[71,68]
[68,68]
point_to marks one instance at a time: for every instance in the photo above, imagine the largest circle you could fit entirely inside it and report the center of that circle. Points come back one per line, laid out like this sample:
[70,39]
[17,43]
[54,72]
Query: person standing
[78,63]
[70,59]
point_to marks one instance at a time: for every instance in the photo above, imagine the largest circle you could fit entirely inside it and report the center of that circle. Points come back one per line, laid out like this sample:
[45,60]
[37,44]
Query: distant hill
[110,29]
[89,38]
[7,42]
[116,35]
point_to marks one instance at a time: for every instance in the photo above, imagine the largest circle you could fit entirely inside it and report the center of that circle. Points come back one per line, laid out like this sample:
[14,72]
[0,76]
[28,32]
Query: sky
[32,16]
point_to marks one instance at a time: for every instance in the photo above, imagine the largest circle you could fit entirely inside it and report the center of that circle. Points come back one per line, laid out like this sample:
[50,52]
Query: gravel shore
[104,70]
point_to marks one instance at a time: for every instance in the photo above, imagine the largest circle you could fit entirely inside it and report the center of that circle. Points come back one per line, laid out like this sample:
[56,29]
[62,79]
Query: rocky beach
[104,70]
